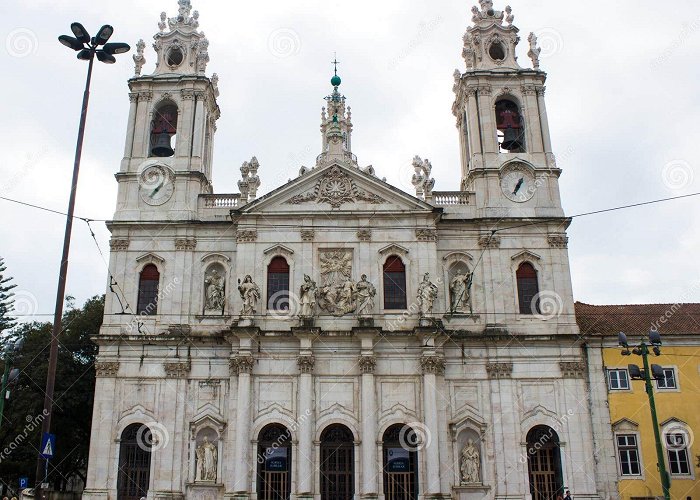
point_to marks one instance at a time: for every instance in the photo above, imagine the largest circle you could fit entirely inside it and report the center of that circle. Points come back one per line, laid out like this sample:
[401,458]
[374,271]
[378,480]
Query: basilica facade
[338,338]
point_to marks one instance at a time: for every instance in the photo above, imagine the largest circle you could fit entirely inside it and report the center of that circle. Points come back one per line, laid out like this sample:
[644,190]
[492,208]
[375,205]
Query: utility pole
[647,374]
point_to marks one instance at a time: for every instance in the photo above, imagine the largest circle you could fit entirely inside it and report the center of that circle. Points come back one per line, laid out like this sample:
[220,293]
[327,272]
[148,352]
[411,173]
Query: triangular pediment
[336,188]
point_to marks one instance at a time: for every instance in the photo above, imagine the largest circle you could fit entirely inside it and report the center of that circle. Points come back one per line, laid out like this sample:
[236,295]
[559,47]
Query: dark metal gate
[134,462]
[337,463]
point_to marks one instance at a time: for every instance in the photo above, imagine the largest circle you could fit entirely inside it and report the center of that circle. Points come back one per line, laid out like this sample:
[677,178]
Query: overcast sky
[621,96]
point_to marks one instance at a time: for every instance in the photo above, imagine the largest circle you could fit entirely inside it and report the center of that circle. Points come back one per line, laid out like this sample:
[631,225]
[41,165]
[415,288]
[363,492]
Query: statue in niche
[459,291]
[346,302]
[427,293]
[215,299]
[207,459]
[307,297]
[470,464]
[364,292]
[250,293]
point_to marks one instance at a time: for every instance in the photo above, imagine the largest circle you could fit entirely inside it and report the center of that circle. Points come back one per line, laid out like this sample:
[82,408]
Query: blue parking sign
[24,482]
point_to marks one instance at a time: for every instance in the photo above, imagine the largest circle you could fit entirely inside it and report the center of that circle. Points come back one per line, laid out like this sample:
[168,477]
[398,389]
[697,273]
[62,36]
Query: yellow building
[677,395]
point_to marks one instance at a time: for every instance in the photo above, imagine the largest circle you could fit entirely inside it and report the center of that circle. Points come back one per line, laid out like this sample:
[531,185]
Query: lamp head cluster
[642,349]
[88,47]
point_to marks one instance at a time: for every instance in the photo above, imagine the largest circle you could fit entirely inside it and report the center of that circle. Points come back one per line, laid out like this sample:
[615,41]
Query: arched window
[163,129]
[400,463]
[511,127]
[528,289]
[544,463]
[278,285]
[394,283]
[337,463]
[274,463]
[134,462]
[148,291]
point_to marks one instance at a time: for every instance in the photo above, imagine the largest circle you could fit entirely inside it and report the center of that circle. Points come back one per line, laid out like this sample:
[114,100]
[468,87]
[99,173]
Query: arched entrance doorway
[134,462]
[400,463]
[337,463]
[544,463]
[274,463]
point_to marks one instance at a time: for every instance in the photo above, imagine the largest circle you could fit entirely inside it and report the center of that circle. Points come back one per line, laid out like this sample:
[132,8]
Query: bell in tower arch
[510,126]
[163,128]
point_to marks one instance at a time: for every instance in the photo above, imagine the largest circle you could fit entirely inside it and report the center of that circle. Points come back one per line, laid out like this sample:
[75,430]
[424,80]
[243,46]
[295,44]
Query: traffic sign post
[48,445]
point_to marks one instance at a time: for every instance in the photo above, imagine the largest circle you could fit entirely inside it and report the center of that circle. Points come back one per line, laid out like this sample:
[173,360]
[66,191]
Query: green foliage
[6,302]
[73,397]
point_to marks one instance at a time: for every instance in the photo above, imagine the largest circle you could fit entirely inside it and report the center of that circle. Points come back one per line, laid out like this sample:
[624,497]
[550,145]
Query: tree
[73,400]
[6,301]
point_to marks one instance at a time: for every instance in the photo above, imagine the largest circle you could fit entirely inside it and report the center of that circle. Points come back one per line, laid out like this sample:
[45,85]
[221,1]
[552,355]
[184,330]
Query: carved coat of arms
[336,188]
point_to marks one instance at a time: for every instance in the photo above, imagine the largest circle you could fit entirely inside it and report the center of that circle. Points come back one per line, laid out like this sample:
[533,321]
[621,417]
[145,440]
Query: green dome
[335,81]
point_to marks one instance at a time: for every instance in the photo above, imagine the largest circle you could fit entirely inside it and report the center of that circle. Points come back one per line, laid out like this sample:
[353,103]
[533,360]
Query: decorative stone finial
[421,179]
[215,84]
[139,59]
[487,13]
[534,52]
[250,182]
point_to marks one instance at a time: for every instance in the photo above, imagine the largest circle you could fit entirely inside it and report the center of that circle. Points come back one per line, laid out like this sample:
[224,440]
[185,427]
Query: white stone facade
[483,371]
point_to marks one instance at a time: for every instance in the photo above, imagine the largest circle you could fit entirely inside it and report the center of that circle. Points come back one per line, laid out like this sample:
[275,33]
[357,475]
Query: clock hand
[519,185]
[155,191]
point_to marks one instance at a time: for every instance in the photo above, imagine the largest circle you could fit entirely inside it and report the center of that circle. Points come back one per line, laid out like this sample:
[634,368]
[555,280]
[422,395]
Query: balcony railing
[221,200]
[445,198]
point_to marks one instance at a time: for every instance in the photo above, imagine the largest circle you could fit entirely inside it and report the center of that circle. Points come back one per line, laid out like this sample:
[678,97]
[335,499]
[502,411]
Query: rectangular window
[678,461]
[669,380]
[278,291]
[618,380]
[394,290]
[628,455]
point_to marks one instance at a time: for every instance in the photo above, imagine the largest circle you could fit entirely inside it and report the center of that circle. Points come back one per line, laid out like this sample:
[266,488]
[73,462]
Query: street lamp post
[88,48]
[646,374]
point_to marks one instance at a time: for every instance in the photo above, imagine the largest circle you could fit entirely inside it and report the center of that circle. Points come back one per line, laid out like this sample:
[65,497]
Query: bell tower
[172,120]
[506,151]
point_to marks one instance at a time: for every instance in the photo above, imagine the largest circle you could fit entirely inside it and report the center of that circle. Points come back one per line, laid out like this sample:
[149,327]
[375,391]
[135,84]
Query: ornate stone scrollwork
[177,369]
[106,368]
[364,234]
[307,234]
[242,364]
[306,363]
[119,244]
[246,235]
[367,363]
[572,369]
[433,364]
[336,188]
[490,241]
[499,370]
[558,241]
[426,234]
[250,181]
[185,243]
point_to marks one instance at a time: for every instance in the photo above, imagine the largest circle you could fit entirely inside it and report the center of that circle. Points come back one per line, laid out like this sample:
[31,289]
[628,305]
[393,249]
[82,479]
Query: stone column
[131,124]
[243,364]
[544,121]
[305,414]
[432,366]
[487,115]
[474,127]
[369,427]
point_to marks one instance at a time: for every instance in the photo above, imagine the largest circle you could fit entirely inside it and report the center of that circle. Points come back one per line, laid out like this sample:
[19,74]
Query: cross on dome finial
[335,81]
[335,63]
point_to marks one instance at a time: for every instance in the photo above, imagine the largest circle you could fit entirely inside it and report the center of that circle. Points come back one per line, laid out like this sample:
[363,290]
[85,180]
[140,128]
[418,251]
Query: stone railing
[325,159]
[445,198]
[220,200]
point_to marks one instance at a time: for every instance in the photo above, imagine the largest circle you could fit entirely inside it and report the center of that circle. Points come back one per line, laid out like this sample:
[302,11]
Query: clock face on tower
[518,183]
[156,185]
